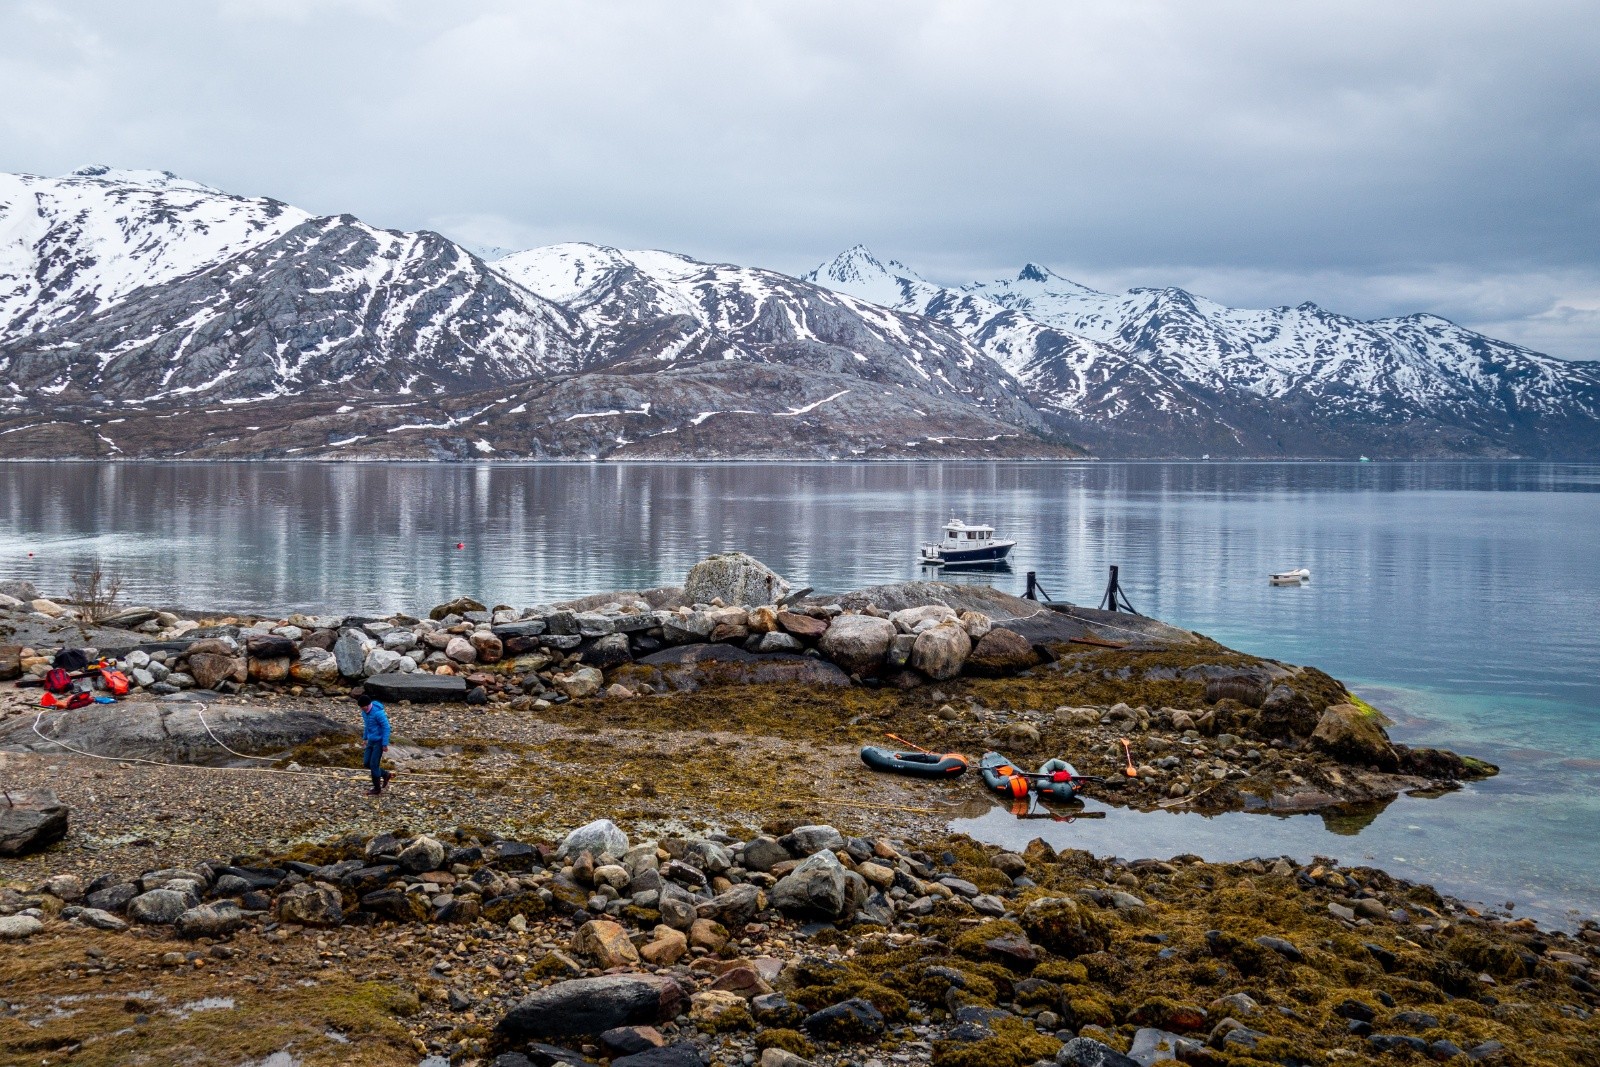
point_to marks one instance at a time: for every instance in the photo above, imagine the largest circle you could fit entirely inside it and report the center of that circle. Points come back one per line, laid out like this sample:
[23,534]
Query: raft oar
[908,744]
[1127,754]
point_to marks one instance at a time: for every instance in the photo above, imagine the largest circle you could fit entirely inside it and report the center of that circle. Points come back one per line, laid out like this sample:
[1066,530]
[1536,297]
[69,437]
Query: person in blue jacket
[375,731]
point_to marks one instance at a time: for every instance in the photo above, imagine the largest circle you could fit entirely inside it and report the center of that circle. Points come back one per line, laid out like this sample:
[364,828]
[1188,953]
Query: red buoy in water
[461,544]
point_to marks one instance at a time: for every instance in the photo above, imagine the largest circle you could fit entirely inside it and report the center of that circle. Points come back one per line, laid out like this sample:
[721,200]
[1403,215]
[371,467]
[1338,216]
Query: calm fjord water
[1464,599]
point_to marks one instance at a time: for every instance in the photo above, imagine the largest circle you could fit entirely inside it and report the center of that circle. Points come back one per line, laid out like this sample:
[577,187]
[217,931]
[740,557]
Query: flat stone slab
[417,688]
[173,731]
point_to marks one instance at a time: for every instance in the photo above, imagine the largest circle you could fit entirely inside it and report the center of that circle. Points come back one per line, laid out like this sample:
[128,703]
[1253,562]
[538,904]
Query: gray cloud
[1372,156]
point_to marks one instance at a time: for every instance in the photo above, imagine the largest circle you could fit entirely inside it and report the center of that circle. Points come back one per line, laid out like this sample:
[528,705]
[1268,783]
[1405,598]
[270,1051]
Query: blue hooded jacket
[376,721]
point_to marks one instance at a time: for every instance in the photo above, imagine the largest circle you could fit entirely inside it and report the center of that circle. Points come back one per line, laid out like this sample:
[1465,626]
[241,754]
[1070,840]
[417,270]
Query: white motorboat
[1290,577]
[966,545]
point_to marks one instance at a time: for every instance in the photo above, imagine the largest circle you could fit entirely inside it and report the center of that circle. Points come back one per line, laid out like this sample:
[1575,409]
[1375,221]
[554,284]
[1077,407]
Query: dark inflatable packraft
[1003,776]
[1058,780]
[916,764]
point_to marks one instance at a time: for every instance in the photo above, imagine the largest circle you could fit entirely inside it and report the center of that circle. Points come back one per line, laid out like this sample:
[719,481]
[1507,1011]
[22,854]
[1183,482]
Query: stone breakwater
[806,944]
[559,653]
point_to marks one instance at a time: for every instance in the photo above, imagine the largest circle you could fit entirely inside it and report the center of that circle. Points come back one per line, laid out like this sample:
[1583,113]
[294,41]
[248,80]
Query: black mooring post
[1115,599]
[1033,587]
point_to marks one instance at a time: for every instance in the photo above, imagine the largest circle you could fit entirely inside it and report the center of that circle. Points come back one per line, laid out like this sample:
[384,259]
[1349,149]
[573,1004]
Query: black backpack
[71,660]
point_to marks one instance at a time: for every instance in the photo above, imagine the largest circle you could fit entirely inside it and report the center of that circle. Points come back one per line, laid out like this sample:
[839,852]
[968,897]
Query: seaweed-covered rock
[850,1020]
[1001,652]
[1349,734]
[1064,927]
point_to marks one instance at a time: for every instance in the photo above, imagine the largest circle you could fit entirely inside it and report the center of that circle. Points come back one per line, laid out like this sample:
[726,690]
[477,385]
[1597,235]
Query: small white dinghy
[1290,577]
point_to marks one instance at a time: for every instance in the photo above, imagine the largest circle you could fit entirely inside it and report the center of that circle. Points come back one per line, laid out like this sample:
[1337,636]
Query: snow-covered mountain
[1161,371]
[127,298]
[144,314]
[648,311]
[141,288]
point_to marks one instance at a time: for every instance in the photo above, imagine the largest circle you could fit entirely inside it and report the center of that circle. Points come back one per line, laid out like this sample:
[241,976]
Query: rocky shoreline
[739,888]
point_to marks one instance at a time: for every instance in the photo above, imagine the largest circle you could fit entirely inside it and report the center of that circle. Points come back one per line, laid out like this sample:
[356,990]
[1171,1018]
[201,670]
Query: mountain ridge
[1246,380]
[143,314]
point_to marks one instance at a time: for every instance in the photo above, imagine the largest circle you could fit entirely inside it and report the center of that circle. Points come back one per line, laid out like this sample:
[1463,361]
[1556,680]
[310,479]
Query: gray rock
[857,643]
[1151,1046]
[683,629]
[311,904]
[30,819]
[159,907]
[1281,947]
[678,914]
[593,624]
[988,904]
[734,578]
[350,653]
[173,732]
[417,688]
[17,927]
[816,888]
[112,897]
[806,840]
[380,661]
[1087,1052]
[610,651]
[764,853]
[401,641]
[777,641]
[423,854]
[594,1005]
[601,837]
[100,920]
[210,920]
[734,908]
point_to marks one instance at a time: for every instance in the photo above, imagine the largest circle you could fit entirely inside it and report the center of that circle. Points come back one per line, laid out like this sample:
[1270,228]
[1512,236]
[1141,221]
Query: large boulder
[160,907]
[316,666]
[311,904]
[599,838]
[417,688]
[211,670]
[857,643]
[911,620]
[816,888]
[30,819]
[459,606]
[1000,652]
[350,653]
[1351,735]
[734,578]
[594,1005]
[941,651]
[583,682]
[210,920]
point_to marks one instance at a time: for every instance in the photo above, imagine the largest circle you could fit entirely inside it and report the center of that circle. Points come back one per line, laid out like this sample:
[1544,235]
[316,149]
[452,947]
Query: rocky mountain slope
[129,299]
[1164,372]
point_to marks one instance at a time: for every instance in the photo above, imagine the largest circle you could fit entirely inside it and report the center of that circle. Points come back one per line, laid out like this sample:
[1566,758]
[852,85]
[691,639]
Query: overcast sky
[1375,157]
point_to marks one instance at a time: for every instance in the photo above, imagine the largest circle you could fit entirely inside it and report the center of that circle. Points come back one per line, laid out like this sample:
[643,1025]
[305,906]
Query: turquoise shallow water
[1464,599]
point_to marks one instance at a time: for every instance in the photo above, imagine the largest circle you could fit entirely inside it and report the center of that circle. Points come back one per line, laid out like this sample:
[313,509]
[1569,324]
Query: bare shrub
[95,592]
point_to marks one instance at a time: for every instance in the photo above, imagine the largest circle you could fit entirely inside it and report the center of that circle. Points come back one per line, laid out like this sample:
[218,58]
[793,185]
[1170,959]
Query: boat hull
[994,552]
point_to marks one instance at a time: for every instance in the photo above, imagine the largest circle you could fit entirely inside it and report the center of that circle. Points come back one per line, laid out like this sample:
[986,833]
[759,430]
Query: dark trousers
[373,761]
